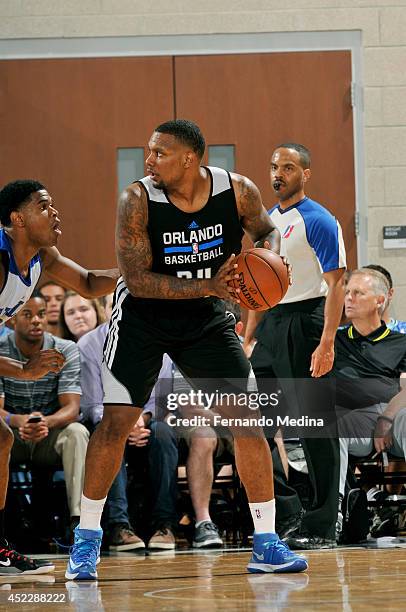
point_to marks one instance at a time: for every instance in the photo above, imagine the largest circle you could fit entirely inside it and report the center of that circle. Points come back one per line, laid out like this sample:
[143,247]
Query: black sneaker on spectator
[206,535]
[14,564]
[122,537]
[302,541]
[385,522]
[286,526]
[339,525]
[162,539]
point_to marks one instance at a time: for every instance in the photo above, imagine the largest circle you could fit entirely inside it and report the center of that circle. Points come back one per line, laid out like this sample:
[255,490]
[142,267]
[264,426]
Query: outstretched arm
[134,257]
[89,283]
[40,364]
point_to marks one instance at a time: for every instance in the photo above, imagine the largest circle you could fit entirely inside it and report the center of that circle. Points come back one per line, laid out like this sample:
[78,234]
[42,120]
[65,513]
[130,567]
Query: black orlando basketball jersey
[194,245]
[191,245]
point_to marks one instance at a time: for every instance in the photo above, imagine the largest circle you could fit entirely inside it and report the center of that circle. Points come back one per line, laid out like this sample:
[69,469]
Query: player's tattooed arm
[134,255]
[254,218]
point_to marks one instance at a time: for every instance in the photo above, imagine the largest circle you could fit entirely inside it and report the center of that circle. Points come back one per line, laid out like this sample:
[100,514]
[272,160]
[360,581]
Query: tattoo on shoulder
[249,196]
[255,219]
[132,241]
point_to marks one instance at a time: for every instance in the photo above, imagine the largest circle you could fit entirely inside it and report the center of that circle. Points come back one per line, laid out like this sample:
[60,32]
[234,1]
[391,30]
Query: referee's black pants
[287,336]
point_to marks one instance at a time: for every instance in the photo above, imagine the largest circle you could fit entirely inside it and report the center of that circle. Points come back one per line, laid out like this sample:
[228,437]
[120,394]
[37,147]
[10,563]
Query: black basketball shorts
[201,341]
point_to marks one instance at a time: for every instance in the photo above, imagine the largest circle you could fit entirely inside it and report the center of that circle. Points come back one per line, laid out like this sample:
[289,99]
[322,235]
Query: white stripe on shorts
[114,391]
[112,338]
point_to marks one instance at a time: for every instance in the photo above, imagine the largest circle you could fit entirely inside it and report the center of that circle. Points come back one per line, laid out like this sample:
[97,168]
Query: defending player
[30,231]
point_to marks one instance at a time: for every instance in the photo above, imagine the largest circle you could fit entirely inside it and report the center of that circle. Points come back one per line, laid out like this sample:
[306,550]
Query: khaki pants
[64,447]
[363,422]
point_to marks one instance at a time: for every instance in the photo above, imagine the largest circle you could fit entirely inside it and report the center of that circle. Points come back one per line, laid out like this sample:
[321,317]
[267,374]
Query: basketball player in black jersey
[178,231]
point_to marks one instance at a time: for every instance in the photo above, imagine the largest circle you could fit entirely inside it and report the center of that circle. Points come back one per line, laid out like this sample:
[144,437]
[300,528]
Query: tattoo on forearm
[161,286]
[132,243]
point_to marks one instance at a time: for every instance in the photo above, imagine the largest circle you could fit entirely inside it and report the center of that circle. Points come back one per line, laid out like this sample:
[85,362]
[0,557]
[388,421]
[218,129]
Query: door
[62,121]
[257,101]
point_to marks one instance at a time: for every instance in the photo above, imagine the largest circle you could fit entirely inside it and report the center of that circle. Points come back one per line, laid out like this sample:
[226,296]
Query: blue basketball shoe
[84,555]
[270,554]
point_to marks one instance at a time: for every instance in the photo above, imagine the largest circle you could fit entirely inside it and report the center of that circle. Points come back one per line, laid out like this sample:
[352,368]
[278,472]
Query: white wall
[383,27]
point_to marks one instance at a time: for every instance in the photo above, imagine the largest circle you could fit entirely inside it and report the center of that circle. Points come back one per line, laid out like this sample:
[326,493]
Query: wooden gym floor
[348,579]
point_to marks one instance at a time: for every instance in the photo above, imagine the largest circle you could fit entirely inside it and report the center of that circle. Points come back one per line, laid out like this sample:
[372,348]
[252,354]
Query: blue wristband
[8,418]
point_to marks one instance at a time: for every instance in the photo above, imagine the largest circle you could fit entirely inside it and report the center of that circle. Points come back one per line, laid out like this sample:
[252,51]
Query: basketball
[262,279]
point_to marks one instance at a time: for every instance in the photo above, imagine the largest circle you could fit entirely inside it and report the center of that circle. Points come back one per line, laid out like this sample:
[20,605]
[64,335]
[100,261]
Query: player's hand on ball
[289,267]
[219,284]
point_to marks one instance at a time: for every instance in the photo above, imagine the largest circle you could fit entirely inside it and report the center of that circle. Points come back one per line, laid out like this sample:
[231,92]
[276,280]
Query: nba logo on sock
[195,247]
[258,514]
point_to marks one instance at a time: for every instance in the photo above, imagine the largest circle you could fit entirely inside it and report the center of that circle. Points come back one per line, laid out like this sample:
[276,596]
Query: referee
[295,340]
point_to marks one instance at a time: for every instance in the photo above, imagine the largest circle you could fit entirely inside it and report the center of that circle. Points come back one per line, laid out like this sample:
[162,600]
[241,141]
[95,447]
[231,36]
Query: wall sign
[394,237]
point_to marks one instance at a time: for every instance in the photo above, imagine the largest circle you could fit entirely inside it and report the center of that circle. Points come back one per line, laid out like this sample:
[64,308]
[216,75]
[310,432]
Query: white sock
[263,515]
[90,512]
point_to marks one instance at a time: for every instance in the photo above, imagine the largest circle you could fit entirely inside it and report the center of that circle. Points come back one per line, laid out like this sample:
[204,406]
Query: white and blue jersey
[16,288]
[311,239]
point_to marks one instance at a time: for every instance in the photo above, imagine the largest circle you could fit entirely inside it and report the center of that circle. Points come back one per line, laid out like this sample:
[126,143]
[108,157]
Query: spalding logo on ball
[263,279]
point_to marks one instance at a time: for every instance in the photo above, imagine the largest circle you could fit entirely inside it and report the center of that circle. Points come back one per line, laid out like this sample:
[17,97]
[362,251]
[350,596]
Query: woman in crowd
[79,315]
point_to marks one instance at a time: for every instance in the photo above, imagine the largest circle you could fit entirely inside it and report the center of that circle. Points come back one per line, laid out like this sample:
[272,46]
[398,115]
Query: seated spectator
[158,440]
[79,315]
[44,412]
[370,359]
[399,326]
[162,454]
[91,351]
[391,323]
[4,330]
[54,294]
[201,446]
